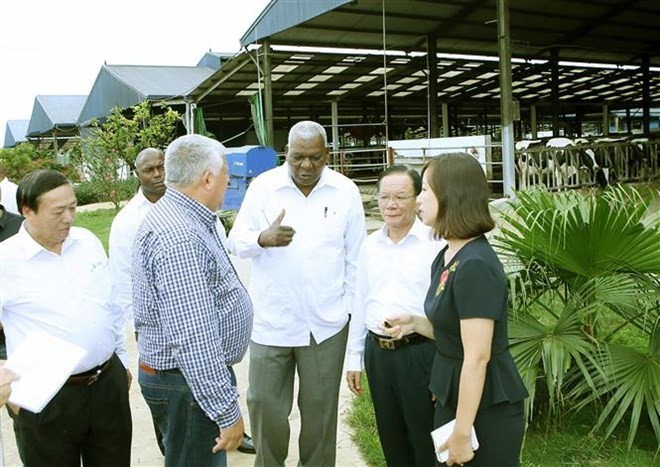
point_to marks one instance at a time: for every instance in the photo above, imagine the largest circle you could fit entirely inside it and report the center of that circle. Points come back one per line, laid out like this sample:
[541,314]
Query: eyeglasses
[398,198]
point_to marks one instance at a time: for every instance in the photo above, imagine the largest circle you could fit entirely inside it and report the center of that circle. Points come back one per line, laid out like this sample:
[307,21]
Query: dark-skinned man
[302,225]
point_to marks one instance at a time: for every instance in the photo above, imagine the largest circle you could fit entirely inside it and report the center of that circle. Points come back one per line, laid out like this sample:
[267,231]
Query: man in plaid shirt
[192,314]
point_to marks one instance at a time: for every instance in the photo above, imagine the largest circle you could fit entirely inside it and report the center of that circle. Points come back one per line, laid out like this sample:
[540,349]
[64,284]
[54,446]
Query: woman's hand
[460,449]
[397,326]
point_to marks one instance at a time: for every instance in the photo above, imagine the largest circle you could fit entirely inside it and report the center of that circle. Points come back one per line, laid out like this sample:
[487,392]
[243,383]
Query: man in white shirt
[393,275]
[54,279]
[150,170]
[7,192]
[302,225]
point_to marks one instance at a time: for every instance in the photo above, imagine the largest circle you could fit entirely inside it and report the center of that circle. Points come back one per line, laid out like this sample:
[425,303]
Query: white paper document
[44,363]
[441,435]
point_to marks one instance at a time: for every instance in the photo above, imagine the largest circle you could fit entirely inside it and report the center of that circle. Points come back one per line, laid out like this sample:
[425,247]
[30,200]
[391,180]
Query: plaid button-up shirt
[192,313]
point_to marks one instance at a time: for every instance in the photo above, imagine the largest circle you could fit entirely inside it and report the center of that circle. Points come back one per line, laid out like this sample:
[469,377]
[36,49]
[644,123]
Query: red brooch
[444,277]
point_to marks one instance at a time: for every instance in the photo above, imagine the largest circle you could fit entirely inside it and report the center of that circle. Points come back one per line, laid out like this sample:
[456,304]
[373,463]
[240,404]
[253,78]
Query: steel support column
[268,92]
[506,96]
[432,97]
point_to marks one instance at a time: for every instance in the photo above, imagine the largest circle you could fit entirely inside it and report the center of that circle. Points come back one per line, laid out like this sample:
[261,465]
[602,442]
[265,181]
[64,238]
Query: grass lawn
[567,446]
[98,222]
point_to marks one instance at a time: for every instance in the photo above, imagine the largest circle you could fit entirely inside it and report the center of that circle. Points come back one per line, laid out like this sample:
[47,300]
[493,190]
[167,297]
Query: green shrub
[93,191]
[227,217]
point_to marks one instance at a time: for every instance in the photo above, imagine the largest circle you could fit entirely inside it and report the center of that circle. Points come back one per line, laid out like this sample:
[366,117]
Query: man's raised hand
[276,234]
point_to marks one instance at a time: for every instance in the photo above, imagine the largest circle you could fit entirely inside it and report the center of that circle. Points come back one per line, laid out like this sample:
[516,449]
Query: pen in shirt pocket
[325,211]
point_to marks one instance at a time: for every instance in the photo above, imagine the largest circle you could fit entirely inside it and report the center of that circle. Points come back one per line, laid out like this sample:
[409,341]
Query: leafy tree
[585,271]
[154,130]
[26,157]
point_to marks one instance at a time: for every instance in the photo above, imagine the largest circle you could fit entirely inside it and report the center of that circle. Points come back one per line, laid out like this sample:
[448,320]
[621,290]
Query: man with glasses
[302,225]
[394,270]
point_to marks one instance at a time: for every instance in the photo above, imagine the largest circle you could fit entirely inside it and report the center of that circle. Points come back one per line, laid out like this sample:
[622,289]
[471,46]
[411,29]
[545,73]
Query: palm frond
[556,348]
[631,381]
[582,235]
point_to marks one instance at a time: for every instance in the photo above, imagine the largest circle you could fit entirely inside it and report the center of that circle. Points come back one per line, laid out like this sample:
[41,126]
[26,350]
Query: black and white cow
[532,163]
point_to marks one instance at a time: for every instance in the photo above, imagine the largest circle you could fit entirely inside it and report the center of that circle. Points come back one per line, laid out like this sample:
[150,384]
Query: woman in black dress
[474,378]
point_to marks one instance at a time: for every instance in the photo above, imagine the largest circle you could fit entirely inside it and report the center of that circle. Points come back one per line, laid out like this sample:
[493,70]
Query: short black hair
[402,168]
[460,186]
[35,184]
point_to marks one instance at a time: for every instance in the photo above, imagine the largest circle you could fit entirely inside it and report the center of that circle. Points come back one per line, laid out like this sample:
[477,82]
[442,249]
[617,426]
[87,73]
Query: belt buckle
[94,378]
[387,344]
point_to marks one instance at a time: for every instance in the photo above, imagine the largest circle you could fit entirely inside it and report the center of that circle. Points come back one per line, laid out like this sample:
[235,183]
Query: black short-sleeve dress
[473,285]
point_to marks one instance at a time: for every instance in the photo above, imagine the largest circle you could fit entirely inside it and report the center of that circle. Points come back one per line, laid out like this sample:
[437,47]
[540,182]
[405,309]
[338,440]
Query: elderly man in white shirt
[54,279]
[302,225]
[394,271]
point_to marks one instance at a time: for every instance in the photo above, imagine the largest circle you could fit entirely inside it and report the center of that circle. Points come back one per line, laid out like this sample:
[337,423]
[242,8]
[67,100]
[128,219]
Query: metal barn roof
[310,78]
[127,85]
[612,31]
[333,50]
[15,132]
[54,112]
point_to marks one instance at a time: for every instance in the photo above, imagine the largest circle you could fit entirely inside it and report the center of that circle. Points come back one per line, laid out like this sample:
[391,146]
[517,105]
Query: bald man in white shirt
[302,225]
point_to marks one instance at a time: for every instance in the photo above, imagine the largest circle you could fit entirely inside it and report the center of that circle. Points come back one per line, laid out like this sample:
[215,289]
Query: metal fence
[587,164]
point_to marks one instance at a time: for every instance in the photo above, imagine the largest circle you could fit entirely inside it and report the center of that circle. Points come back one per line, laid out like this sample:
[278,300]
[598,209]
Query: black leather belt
[89,377]
[388,343]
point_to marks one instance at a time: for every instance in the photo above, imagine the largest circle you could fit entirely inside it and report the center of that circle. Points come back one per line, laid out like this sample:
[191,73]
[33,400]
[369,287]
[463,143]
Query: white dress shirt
[120,245]
[307,286]
[66,295]
[8,195]
[392,278]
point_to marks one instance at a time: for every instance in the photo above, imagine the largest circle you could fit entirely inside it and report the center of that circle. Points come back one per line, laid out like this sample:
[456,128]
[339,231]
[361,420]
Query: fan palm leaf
[554,348]
[630,379]
[583,269]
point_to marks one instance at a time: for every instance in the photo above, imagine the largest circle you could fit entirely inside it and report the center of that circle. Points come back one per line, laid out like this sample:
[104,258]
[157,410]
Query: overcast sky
[58,47]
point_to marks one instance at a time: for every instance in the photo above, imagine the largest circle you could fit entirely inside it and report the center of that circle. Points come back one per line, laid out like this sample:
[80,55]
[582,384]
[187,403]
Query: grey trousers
[270,399]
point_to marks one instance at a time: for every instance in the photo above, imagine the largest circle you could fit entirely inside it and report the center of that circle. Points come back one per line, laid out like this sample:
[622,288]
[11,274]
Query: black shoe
[247,446]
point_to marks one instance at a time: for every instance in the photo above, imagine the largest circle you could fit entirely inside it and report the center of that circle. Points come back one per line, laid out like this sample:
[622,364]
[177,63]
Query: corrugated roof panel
[214,59]
[155,82]
[127,85]
[51,112]
[280,15]
[612,31]
[15,132]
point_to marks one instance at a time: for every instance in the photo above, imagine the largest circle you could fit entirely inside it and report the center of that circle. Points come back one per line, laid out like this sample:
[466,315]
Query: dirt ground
[145,452]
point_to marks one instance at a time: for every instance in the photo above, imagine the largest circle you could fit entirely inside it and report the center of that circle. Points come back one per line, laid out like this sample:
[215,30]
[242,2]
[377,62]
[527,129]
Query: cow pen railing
[362,165]
[587,164]
[491,162]
[578,166]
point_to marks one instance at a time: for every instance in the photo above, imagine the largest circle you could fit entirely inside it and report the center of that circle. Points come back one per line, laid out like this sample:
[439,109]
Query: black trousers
[92,423]
[399,384]
[500,430]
